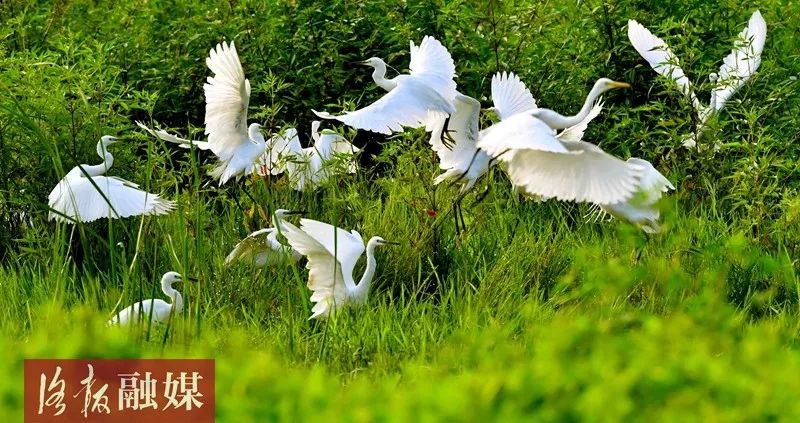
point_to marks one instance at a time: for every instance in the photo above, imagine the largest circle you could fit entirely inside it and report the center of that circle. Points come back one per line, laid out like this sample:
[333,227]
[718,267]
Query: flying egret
[736,69]
[238,147]
[415,100]
[85,195]
[158,309]
[308,167]
[640,208]
[262,246]
[332,255]
[562,167]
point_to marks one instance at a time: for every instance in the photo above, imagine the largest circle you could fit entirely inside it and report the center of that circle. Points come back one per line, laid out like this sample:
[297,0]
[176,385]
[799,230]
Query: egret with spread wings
[332,255]
[736,69]
[263,248]
[85,195]
[415,100]
[547,165]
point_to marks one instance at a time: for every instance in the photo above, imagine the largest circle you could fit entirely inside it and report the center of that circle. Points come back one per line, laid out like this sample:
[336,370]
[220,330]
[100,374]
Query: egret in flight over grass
[641,208]
[415,100]
[736,69]
[238,147]
[157,309]
[309,167]
[546,165]
[263,248]
[332,255]
[86,195]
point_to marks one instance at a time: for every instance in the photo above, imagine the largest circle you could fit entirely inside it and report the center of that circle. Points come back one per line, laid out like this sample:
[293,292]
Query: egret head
[105,141]
[254,132]
[377,241]
[170,277]
[605,84]
[375,62]
[108,139]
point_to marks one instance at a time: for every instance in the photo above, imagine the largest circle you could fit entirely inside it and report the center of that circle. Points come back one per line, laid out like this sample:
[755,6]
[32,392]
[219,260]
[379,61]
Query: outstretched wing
[76,197]
[412,104]
[588,174]
[462,129]
[742,62]
[660,57]
[510,96]
[227,97]
[166,136]
[432,63]
[575,133]
[520,131]
[326,261]
[262,241]
[652,184]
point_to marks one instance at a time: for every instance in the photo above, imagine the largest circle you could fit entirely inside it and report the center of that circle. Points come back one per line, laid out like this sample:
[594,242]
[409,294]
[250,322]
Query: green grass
[532,312]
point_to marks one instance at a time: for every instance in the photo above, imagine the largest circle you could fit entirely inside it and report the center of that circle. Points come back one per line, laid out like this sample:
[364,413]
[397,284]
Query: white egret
[158,309]
[86,195]
[736,69]
[262,246]
[238,147]
[308,167]
[332,255]
[415,100]
[640,208]
[549,166]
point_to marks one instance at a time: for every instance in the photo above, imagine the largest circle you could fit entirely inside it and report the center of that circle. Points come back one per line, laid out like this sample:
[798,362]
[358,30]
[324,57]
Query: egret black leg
[445,136]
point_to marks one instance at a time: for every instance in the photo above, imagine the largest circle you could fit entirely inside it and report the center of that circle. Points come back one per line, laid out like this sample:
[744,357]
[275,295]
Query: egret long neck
[361,290]
[100,169]
[558,121]
[177,299]
[379,76]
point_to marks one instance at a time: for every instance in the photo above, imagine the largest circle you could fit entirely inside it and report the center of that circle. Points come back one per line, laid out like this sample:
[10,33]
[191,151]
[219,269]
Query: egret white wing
[262,241]
[412,104]
[742,62]
[660,57]
[432,63]
[463,129]
[520,131]
[325,277]
[77,198]
[587,175]
[227,97]
[510,95]
[166,136]
[575,133]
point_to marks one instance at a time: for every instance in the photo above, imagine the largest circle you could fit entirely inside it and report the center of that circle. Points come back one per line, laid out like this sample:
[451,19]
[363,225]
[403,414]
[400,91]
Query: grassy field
[533,311]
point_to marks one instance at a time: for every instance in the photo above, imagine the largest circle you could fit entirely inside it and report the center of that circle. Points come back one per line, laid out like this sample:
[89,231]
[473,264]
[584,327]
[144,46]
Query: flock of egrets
[541,151]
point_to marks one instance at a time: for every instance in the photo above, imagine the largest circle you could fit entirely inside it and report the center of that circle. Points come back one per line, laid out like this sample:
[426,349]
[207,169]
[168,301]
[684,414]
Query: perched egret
[562,166]
[308,167]
[237,146]
[262,246]
[415,100]
[158,309]
[640,208]
[85,195]
[332,255]
[736,69]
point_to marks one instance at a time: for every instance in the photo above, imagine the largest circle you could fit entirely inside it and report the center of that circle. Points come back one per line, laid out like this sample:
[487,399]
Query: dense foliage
[532,311]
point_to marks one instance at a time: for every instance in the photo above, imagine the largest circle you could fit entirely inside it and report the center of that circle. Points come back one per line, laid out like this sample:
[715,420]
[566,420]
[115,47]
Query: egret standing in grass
[332,255]
[85,195]
[415,100]
[308,167]
[546,165]
[263,248]
[736,69]
[157,309]
[237,145]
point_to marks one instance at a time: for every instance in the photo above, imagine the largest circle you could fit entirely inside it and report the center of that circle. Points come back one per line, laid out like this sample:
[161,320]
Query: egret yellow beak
[617,84]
